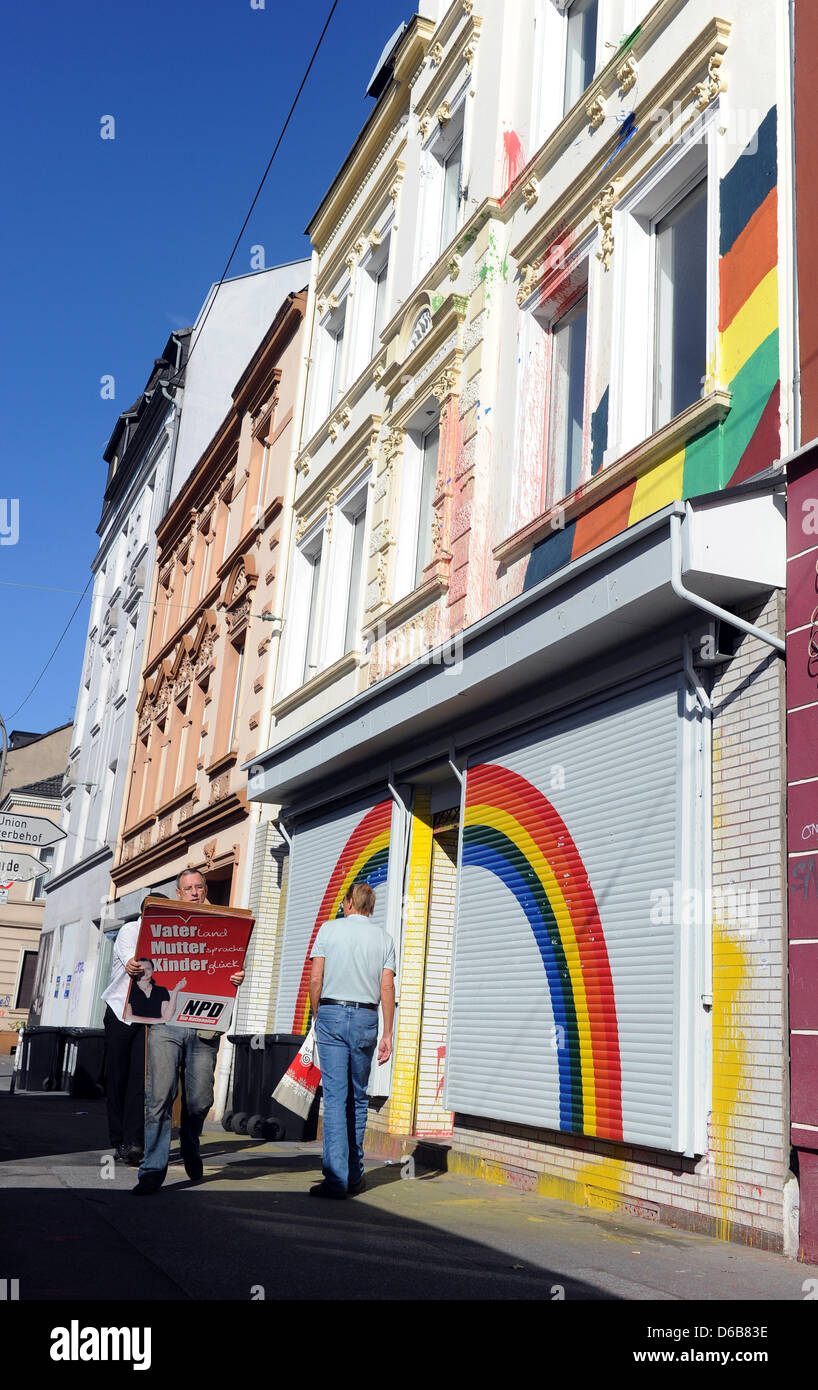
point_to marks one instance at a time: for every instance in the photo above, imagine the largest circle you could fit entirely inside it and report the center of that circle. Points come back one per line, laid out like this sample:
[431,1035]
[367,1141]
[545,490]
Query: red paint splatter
[512,159]
[559,286]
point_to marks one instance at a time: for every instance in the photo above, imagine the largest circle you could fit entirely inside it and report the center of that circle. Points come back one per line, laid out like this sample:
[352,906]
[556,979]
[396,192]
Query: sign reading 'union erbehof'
[187,951]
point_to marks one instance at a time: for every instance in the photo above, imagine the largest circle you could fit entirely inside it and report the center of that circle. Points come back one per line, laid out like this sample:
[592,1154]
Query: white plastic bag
[298,1086]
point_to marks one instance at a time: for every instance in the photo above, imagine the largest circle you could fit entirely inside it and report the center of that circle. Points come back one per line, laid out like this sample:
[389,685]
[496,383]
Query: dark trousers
[125,1080]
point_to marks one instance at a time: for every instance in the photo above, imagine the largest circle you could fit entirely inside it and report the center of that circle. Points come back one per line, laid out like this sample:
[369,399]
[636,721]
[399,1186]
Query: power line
[175,380]
[56,649]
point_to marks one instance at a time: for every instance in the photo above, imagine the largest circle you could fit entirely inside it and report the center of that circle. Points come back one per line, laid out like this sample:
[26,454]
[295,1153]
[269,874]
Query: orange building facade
[202,691]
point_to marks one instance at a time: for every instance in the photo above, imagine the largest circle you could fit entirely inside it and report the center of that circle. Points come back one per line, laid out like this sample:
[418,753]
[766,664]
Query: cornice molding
[430,102]
[324,476]
[448,319]
[342,667]
[385,620]
[347,184]
[362,225]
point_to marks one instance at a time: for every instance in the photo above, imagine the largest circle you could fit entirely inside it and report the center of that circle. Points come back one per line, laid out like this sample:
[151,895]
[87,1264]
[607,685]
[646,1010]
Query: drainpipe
[704,604]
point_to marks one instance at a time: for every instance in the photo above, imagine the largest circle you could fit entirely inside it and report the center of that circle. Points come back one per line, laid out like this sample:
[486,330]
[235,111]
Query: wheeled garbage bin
[84,1063]
[42,1056]
[260,1062]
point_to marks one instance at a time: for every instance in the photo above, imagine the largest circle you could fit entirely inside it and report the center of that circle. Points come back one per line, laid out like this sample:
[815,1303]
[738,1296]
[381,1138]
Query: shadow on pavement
[191,1242]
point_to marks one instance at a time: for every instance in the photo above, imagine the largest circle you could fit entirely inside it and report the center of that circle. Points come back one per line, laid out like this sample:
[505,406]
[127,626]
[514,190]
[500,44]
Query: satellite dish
[379,80]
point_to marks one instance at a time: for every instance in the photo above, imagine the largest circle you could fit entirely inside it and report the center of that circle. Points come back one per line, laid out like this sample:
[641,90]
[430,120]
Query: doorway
[431,1118]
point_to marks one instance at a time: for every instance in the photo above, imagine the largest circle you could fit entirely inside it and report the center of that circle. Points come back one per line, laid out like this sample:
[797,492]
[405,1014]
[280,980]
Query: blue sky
[109,244]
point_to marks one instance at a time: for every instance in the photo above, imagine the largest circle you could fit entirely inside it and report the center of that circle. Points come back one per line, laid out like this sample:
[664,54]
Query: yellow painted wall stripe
[405,1069]
[662,484]
[754,322]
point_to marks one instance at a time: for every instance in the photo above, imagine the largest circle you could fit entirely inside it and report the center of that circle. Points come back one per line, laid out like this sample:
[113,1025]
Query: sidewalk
[70,1230]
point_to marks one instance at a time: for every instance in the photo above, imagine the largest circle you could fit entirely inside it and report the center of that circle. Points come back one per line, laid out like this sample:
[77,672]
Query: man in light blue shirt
[353,970]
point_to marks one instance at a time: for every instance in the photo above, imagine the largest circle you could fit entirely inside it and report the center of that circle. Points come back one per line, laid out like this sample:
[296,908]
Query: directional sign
[20,867]
[28,830]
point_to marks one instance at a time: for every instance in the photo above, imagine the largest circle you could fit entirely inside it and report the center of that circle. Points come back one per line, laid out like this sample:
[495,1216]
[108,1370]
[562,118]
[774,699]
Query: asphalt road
[72,1230]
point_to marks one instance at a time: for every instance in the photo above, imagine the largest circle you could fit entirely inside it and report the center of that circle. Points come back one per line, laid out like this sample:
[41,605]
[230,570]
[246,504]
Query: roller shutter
[330,854]
[571,1004]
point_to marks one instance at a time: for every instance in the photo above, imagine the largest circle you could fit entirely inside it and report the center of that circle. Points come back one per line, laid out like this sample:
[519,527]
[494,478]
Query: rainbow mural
[747,364]
[513,831]
[364,859]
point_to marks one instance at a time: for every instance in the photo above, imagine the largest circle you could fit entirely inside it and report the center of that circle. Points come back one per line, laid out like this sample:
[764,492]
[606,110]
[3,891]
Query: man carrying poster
[188,966]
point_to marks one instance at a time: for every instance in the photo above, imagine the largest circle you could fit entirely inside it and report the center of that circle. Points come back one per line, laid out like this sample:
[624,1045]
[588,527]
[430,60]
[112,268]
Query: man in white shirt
[353,971]
[124,1053]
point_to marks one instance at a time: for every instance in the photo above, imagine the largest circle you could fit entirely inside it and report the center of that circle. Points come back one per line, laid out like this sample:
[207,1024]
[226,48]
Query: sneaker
[120,1153]
[322,1189]
[356,1188]
[133,1156]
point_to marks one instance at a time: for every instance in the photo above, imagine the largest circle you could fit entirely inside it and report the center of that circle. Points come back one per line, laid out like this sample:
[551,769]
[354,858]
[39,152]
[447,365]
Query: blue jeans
[346,1045]
[171,1049]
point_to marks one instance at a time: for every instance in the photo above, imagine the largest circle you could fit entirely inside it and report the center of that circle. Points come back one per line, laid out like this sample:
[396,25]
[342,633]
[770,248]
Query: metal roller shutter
[571,1004]
[330,854]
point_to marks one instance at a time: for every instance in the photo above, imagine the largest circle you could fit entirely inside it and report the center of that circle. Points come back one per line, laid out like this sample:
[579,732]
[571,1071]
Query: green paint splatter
[437,300]
[629,39]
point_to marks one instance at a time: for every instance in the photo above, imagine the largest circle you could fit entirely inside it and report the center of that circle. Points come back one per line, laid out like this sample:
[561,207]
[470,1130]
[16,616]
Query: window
[311,645]
[428,477]
[337,349]
[452,165]
[379,315]
[46,858]
[356,574]
[25,988]
[680,347]
[665,293]
[442,192]
[567,401]
[234,718]
[580,52]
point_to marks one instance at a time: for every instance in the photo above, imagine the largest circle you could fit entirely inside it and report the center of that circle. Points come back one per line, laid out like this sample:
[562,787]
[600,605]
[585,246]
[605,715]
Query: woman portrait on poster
[152,1003]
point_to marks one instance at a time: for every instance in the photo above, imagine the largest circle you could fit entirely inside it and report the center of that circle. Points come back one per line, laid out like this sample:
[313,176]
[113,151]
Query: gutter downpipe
[704,604]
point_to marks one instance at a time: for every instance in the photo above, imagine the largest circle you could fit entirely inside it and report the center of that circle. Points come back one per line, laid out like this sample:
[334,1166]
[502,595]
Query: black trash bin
[42,1057]
[84,1063]
[260,1062]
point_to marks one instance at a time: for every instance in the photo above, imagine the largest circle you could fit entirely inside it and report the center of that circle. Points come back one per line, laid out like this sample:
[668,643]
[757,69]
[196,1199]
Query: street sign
[20,867]
[28,830]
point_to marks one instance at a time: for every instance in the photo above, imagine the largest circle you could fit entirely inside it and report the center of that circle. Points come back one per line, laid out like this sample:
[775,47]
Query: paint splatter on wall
[513,160]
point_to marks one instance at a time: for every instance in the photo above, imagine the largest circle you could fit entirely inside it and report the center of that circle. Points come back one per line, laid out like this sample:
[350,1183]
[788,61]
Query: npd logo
[201,1011]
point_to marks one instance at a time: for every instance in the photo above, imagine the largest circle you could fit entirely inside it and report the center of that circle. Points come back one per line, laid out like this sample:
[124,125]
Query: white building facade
[78,909]
[152,451]
[530,684]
